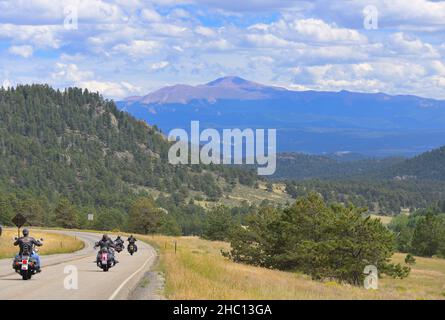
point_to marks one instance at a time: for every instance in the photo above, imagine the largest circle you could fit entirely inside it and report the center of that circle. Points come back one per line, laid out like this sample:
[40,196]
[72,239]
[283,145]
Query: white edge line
[117,291]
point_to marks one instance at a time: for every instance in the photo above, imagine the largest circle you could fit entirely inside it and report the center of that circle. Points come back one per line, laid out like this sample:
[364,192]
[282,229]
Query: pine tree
[66,214]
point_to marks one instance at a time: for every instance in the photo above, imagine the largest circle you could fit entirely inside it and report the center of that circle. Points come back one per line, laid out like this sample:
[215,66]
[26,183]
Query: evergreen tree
[320,240]
[144,216]
[427,236]
[66,214]
[218,224]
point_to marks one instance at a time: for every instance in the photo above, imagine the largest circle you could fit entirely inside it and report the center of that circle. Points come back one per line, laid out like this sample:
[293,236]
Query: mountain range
[314,122]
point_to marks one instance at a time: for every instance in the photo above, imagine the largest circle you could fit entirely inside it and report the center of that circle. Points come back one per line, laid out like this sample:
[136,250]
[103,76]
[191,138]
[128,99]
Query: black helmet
[25,232]
[104,237]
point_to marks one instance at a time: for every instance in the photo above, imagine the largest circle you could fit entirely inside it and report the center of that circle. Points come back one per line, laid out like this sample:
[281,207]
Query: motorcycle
[131,248]
[118,246]
[105,259]
[24,263]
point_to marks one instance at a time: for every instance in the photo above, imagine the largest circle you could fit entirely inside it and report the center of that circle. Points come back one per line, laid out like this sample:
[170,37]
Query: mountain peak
[225,88]
[229,81]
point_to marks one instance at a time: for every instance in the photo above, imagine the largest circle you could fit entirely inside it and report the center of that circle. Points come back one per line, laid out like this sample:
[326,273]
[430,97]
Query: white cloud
[309,31]
[251,5]
[6,83]
[319,31]
[110,89]
[150,15]
[401,43]
[39,36]
[160,65]
[167,29]
[52,12]
[207,32]
[267,41]
[138,48]
[438,67]
[399,14]
[319,44]
[24,51]
[72,75]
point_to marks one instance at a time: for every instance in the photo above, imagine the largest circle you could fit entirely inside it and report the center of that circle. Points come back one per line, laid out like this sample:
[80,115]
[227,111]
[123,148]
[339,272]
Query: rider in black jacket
[119,242]
[107,243]
[27,243]
[132,240]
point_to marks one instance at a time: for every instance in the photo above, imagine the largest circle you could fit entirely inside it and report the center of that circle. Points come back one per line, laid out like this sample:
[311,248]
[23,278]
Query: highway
[92,284]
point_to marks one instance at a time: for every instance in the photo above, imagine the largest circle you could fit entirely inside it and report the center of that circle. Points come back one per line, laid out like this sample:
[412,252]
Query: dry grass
[53,243]
[384,219]
[198,271]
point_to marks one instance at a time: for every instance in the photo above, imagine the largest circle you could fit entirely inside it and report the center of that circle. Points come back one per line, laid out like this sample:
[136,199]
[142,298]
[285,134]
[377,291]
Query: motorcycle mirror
[15,238]
[41,239]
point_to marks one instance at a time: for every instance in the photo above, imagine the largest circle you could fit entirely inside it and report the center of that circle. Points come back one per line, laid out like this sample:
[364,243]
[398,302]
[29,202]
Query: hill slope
[302,166]
[76,145]
[426,166]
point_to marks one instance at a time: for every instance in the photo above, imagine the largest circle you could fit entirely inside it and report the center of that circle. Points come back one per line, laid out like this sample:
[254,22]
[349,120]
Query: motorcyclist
[107,243]
[131,241]
[119,242]
[29,243]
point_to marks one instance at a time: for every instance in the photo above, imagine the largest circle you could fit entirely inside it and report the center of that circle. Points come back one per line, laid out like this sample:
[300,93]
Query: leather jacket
[27,244]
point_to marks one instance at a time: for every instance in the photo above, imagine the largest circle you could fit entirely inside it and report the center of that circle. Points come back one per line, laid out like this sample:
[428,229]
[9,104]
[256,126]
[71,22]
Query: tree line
[421,233]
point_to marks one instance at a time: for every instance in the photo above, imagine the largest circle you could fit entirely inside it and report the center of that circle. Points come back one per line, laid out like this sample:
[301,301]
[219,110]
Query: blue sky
[131,47]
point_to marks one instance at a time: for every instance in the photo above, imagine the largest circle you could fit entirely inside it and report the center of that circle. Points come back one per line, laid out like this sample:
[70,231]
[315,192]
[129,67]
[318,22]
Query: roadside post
[19,220]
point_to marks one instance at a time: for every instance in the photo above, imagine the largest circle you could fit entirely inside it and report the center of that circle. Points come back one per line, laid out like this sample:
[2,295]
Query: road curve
[93,283]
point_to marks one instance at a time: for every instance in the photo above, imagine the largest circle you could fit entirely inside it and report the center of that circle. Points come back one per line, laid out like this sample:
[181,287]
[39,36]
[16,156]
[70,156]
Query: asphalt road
[93,283]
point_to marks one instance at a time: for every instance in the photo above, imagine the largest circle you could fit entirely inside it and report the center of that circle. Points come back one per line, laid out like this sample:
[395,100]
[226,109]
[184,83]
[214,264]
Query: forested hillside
[385,186]
[426,166]
[76,150]
[301,166]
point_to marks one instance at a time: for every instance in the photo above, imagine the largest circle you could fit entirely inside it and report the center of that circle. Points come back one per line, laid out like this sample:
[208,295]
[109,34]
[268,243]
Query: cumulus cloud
[24,51]
[54,12]
[399,14]
[138,48]
[308,31]
[207,32]
[110,89]
[39,36]
[319,31]
[298,44]
[150,15]
[72,75]
[404,44]
[160,65]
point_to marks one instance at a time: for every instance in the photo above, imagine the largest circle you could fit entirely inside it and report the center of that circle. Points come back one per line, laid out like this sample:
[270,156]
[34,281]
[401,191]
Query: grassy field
[384,219]
[53,243]
[198,271]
